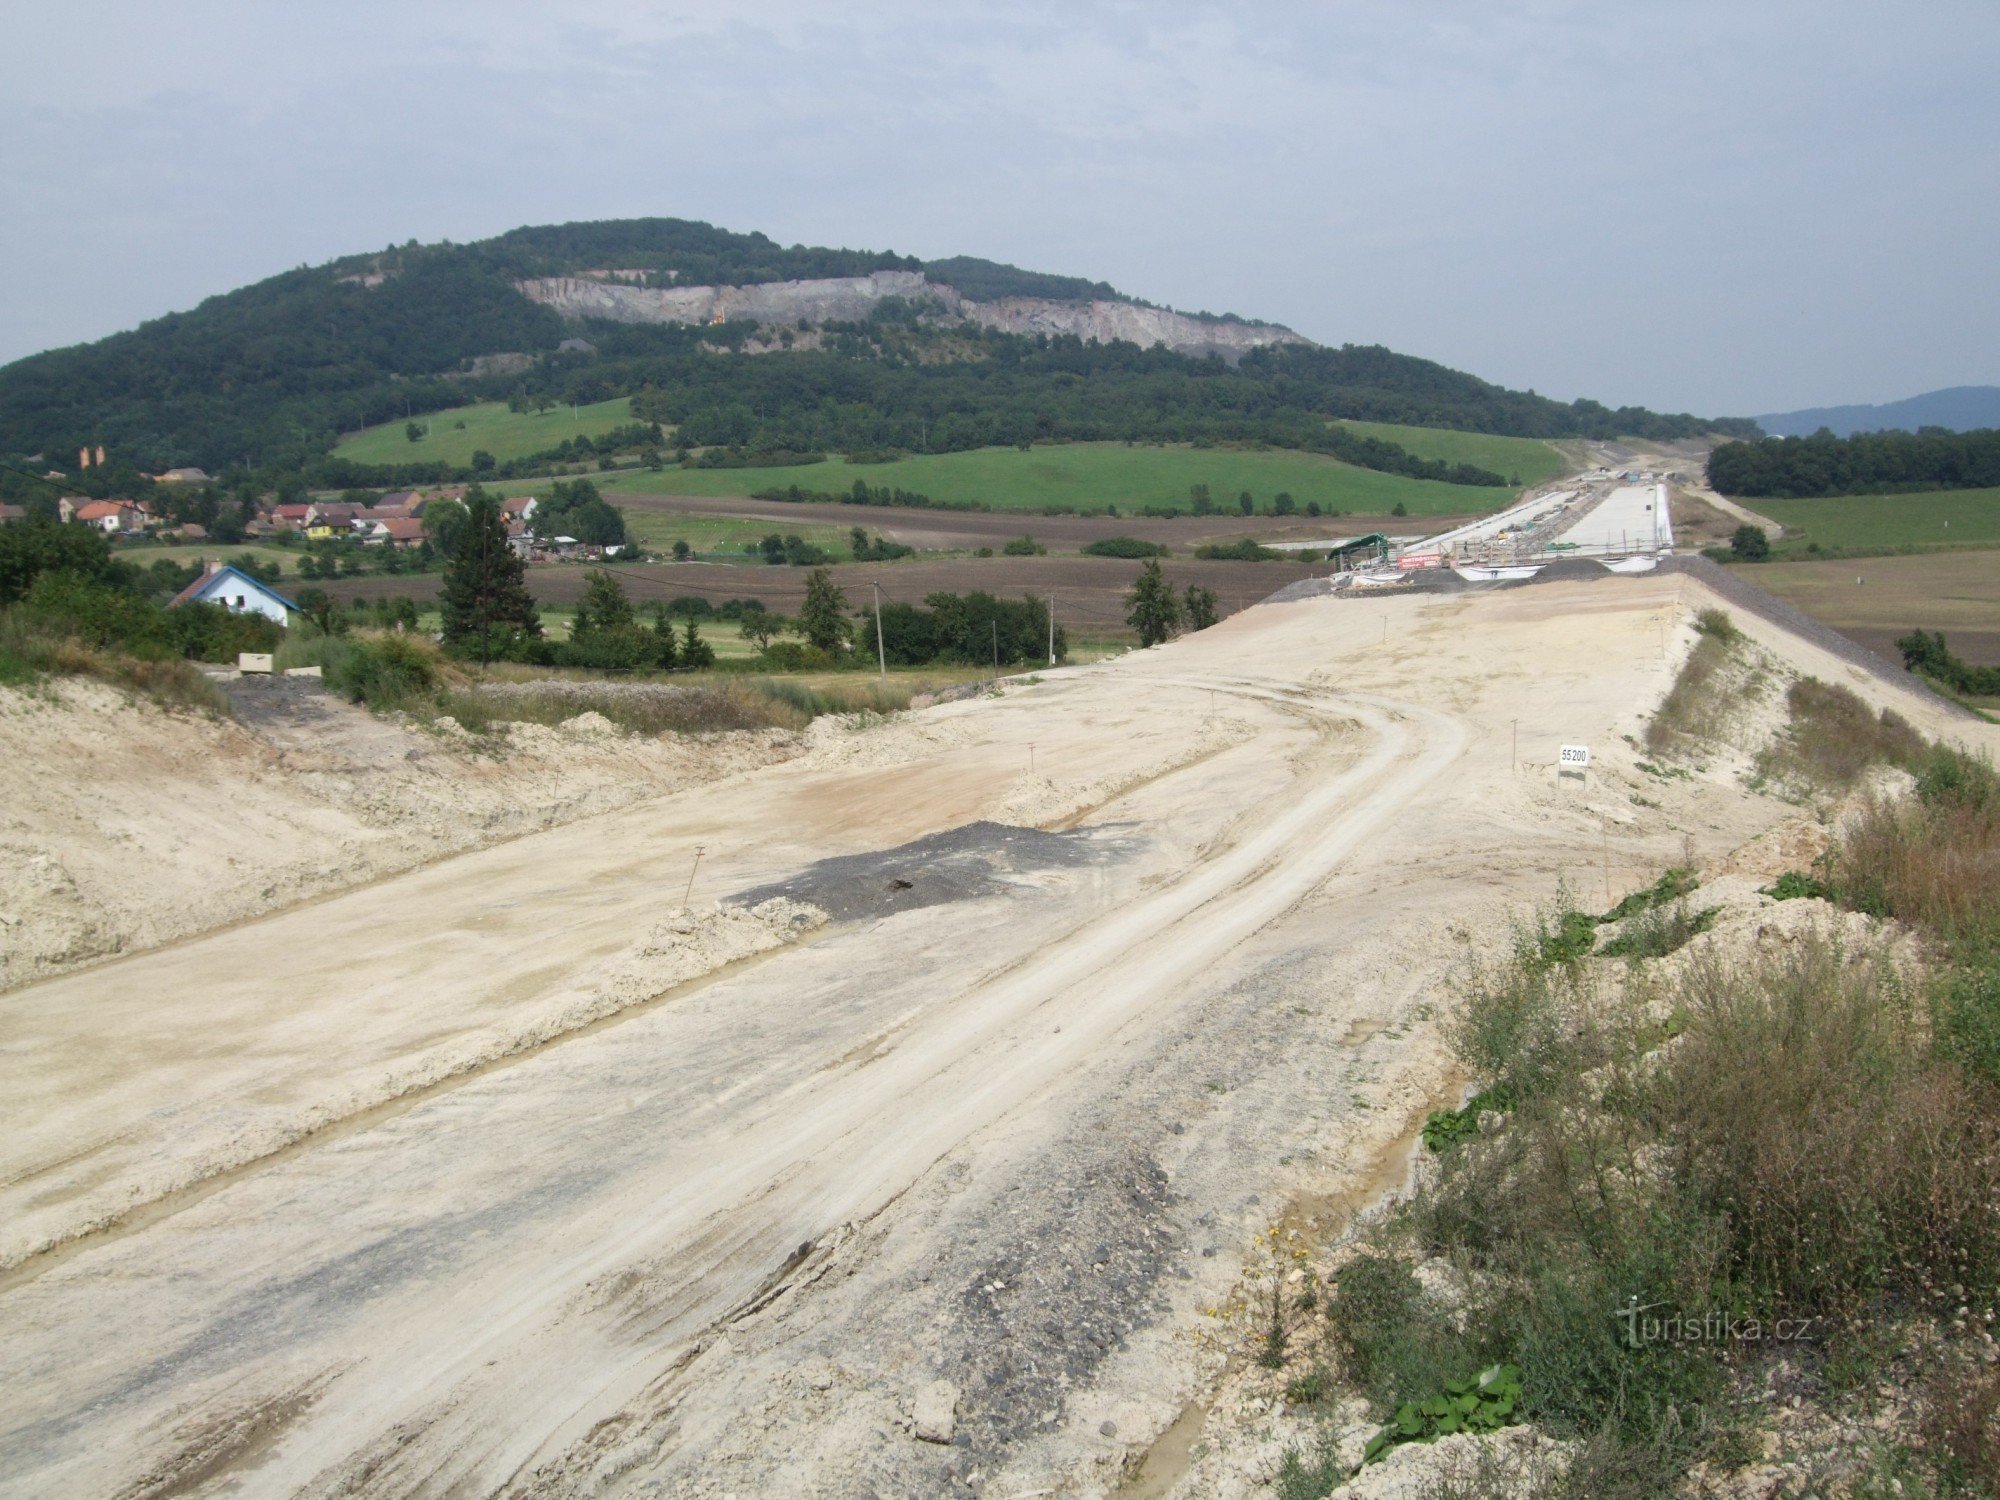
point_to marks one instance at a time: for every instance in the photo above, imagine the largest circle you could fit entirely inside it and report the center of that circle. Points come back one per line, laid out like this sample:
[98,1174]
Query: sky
[1719,206]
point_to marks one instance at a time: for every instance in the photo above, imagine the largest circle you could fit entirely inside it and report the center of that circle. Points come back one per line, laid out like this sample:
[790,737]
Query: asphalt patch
[960,864]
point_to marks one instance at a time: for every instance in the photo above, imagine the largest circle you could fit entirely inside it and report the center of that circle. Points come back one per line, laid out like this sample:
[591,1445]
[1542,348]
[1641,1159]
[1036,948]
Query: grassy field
[1876,599]
[488,425]
[1087,477]
[146,554]
[1532,460]
[1862,524]
[659,530]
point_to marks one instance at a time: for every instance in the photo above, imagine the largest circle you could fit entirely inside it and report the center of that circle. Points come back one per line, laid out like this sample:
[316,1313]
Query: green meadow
[1925,521]
[658,531]
[454,435]
[1534,461]
[1087,478]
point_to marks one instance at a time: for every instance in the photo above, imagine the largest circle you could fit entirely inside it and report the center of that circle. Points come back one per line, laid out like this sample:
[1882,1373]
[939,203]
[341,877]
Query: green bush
[1125,546]
[113,619]
[1245,550]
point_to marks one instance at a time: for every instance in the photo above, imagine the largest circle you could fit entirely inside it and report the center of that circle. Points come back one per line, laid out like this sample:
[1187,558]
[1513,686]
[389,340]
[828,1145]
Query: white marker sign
[1574,756]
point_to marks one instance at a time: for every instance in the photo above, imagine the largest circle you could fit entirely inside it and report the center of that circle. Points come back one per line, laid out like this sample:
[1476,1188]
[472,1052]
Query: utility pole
[687,894]
[1052,630]
[996,643]
[881,654]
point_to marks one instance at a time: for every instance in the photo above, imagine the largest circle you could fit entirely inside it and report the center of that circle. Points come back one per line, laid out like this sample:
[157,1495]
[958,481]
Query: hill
[855,347]
[1961,408]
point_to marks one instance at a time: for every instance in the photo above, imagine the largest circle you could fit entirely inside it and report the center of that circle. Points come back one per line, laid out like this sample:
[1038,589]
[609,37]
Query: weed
[1310,1388]
[1445,1128]
[1272,1356]
[1656,931]
[1302,1477]
[1960,1428]
[1795,886]
[1717,625]
[1484,1403]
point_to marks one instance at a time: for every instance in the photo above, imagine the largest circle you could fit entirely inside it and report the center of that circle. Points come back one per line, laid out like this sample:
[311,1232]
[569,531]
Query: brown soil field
[1089,591]
[962,531]
[1874,600]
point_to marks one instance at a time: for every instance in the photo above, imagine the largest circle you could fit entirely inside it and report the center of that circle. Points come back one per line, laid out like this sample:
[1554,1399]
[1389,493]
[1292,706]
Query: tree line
[1869,463]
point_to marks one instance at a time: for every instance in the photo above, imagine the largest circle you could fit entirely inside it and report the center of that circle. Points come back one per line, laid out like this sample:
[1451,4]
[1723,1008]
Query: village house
[518,507]
[395,531]
[112,517]
[12,513]
[224,585]
[296,517]
[330,519]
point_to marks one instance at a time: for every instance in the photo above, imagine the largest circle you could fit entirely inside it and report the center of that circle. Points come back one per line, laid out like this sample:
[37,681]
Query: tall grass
[397,673]
[1932,860]
[1698,706]
[29,652]
[1832,738]
[1793,1141]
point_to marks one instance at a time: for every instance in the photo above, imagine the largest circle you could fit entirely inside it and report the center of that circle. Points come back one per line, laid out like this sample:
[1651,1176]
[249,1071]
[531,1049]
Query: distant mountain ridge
[1961,408]
[895,352]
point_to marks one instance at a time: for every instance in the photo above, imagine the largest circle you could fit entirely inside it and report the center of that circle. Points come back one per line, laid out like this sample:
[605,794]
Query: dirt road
[992,1138]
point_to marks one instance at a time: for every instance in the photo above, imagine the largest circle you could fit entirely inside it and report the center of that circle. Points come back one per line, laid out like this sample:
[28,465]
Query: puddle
[960,864]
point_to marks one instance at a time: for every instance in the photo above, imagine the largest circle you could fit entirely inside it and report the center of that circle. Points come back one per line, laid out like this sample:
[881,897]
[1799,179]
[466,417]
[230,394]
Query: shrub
[1749,544]
[1245,550]
[1125,546]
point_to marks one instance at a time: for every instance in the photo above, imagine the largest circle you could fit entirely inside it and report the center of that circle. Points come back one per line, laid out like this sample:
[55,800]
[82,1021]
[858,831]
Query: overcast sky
[1726,206]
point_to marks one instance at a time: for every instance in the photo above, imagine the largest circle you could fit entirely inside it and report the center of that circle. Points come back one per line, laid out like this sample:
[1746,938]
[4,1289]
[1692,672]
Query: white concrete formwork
[1632,518]
[1514,518]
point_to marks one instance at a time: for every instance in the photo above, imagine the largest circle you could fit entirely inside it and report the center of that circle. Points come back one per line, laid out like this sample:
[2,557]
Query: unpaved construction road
[511,1176]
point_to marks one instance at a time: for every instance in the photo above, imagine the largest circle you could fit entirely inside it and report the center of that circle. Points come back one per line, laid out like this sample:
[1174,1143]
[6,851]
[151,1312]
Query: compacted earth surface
[879,1112]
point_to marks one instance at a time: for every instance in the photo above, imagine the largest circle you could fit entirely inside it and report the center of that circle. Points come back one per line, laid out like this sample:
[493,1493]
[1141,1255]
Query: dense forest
[990,280]
[266,378]
[1869,463]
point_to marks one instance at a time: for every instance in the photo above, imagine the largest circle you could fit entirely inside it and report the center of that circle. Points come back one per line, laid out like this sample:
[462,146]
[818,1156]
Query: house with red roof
[393,531]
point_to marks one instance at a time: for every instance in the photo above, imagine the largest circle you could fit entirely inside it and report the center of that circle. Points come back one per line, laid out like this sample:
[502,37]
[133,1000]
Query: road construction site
[880,1119]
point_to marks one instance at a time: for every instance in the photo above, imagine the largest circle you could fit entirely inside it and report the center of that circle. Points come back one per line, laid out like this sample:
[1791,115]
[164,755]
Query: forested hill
[1869,463]
[267,377]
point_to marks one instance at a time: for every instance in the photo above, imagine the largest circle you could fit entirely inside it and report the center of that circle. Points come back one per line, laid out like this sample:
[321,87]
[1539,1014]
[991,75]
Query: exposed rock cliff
[853,298]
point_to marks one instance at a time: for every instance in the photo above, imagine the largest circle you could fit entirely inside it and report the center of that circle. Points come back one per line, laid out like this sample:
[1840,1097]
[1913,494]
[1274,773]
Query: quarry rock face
[854,298]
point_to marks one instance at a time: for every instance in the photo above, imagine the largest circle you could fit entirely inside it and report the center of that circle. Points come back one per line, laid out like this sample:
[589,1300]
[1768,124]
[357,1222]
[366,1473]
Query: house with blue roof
[232,589]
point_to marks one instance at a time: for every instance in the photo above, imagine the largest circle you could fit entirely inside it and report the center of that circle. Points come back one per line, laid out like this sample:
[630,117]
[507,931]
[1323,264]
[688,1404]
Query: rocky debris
[1514,1461]
[934,1413]
[851,299]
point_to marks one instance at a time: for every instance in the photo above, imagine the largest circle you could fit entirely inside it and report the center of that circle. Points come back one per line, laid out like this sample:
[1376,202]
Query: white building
[223,585]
